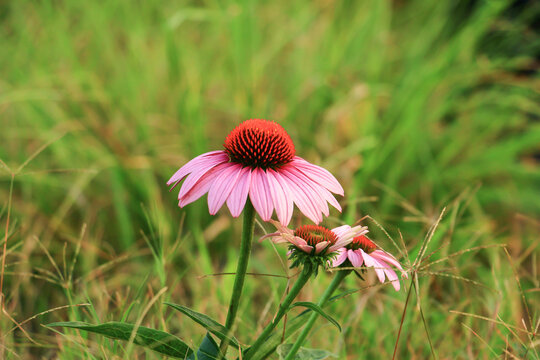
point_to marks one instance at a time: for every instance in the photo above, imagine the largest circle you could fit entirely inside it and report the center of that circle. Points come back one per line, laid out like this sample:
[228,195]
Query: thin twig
[402,319]
[5,243]
[424,319]
[484,341]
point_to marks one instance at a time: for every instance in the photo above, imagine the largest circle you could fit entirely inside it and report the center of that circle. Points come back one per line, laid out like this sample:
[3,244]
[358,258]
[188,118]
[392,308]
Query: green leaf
[208,350]
[318,310]
[156,340]
[208,323]
[343,294]
[304,353]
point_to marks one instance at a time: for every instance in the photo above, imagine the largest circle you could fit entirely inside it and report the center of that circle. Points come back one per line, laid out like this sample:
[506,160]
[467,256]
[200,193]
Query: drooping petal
[202,186]
[272,235]
[288,191]
[320,190]
[259,193]
[391,274]
[302,197]
[281,228]
[371,262]
[355,257]
[330,198]
[222,187]
[340,258]
[313,190]
[318,175]
[239,193]
[281,199]
[196,175]
[379,254]
[203,160]
[276,239]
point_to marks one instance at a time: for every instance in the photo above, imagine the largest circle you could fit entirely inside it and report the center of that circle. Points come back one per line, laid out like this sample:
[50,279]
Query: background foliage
[413,105]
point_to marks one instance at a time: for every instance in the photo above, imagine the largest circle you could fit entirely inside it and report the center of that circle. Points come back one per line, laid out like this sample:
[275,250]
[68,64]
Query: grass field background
[415,106]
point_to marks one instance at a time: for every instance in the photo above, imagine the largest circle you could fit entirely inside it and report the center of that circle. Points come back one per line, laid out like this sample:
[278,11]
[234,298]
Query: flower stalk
[241,269]
[306,273]
[313,317]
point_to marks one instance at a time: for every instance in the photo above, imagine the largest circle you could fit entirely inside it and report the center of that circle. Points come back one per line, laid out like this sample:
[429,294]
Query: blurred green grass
[414,106]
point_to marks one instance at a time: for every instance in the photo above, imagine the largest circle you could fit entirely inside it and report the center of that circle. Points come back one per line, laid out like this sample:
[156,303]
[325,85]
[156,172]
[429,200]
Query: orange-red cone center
[314,234]
[259,143]
[362,242]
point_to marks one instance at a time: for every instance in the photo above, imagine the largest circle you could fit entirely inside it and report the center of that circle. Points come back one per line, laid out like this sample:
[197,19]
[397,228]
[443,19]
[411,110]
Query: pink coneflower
[259,160]
[315,243]
[362,251]
[314,239]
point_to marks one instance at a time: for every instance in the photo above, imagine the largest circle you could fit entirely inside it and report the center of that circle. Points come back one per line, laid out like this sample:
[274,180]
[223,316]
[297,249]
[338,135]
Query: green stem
[327,294]
[241,268]
[283,308]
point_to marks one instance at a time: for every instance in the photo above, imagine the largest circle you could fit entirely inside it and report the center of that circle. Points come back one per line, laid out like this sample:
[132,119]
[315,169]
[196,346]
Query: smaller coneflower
[361,251]
[314,243]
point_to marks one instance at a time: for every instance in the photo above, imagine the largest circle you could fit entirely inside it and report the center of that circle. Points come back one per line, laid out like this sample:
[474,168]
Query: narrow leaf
[317,309]
[156,340]
[207,322]
[343,294]
[304,353]
[208,350]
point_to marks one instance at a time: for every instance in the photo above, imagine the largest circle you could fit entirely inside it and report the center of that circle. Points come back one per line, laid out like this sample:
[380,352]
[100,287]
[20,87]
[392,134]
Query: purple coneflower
[314,239]
[362,251]
[259,160]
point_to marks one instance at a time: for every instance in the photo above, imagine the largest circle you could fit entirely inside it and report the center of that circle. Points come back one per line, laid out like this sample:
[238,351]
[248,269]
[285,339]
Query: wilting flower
[315,243]
[259,160]
[362,251]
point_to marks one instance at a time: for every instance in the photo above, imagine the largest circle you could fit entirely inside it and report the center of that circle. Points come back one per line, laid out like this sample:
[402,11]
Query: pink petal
[346,236]
[295,240]
[342,242]
[393,278]
[239,193]
[340,230]
[306,248]
[318,174]
[355,258]
[281,199]
[259,193]
[288,191]
[340,258]
[278,239]
[302,196]
[333,248]
[202,186]
[273,235]
[320,246]
[314,190]
[386,257]
[359,230]
[195,176]
[330,198]
[280,227]
[371,262]
[222,187]
[203,160]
